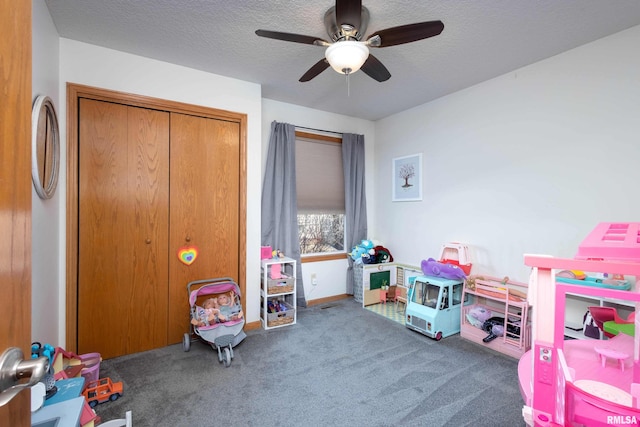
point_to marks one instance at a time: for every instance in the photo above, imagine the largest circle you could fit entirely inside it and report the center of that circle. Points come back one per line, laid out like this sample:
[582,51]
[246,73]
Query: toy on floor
[102,390]
[228,332]
[434,306]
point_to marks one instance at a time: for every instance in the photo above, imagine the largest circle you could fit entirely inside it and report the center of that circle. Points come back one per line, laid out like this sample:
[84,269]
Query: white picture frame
[406,179]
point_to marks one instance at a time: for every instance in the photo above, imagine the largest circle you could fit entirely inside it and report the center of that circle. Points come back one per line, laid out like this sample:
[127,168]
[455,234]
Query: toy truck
[102,390]
[434,305]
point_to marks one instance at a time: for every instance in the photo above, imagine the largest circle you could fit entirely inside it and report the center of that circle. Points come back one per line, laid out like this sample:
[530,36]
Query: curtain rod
[318,130]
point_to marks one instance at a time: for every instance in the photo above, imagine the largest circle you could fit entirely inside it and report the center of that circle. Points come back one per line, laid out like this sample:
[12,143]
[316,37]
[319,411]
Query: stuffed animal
[383,254]
[369,257]
[368,252]
[470,282]
[367,244]
[477,315]
[431,267]
[481,318]
[494,326]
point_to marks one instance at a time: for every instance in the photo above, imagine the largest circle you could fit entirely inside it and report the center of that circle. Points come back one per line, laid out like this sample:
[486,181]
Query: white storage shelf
[278,288]
[576,307]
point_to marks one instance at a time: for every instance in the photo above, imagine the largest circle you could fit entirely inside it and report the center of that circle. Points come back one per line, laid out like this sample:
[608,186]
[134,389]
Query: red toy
[102,390]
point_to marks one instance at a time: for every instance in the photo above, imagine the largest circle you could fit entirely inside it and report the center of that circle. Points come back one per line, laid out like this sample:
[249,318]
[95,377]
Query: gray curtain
[354,196]
[279,205]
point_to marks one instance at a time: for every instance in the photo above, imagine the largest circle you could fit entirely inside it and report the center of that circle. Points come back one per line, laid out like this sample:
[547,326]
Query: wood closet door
[205,208]
[123,228]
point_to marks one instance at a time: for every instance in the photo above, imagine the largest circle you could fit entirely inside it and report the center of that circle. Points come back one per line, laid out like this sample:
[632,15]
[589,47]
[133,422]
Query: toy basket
[280,286]
[281,317]
[91,370]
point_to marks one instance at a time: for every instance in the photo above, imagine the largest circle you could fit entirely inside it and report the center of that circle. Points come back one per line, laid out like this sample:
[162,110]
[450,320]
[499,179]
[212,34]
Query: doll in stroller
[216,316]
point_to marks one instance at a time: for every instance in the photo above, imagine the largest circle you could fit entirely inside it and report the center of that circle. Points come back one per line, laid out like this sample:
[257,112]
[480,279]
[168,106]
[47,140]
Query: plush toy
[367,244]
[356,254]
[481,318]
[368,252]
[369,257]
[477,316]
[494,326]
[431,267]
[470,282]
[382,254]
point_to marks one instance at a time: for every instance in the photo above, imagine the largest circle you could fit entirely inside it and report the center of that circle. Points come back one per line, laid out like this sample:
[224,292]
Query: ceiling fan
[346,24]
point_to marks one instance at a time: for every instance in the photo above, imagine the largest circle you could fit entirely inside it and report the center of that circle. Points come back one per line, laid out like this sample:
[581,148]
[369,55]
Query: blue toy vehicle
[434,305]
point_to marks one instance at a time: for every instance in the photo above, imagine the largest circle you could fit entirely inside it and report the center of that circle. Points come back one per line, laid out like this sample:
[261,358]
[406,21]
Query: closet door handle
[187,239]
[148,241]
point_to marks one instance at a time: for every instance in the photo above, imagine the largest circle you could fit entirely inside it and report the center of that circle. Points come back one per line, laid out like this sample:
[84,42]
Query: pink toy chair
[605,314]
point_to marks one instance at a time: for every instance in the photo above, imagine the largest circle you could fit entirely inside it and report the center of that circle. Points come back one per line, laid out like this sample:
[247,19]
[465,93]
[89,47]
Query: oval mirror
[45,142]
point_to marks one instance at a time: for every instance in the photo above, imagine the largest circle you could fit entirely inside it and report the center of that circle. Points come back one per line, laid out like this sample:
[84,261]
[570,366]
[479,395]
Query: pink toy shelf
[504,298]
[568,383]
[612,241]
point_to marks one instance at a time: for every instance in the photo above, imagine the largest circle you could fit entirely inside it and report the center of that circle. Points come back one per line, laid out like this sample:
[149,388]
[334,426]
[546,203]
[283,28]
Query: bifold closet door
[205,208]
[123,228]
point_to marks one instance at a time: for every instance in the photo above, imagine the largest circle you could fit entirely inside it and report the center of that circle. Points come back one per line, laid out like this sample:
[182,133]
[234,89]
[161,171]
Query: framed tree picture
[407,178]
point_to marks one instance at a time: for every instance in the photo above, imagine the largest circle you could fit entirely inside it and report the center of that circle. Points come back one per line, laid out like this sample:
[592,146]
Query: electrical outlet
[314,279]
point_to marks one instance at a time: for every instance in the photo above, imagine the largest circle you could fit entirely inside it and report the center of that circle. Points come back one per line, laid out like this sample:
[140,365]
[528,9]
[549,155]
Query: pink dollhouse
[583,382]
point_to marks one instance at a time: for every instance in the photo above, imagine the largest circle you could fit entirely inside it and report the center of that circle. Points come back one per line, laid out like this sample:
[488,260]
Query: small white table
[605,352]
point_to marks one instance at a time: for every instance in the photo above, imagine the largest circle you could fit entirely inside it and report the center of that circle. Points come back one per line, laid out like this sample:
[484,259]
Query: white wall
[528,162]
[331,275]
[91,65]
[48,242]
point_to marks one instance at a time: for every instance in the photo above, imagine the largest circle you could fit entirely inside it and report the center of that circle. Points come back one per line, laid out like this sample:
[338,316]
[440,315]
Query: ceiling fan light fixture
[346,57]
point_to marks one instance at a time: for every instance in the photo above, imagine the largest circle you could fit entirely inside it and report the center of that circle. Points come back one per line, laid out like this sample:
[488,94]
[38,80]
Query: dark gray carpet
[340,365]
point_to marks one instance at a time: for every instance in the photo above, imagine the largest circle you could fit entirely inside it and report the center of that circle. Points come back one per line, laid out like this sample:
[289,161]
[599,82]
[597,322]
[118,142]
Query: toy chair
[605,314]
[391,293]
[401,296]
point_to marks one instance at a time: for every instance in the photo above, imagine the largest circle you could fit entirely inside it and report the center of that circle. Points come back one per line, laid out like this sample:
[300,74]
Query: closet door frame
[76,92]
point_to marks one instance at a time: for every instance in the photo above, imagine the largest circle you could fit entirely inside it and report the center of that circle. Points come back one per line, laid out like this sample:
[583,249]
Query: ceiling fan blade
[407,33]
[373,68]
[317,68]
[289,37]
[349,12]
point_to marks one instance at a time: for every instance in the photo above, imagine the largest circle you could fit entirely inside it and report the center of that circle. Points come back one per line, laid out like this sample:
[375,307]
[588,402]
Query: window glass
[426,294]
[320,194]
[457,294]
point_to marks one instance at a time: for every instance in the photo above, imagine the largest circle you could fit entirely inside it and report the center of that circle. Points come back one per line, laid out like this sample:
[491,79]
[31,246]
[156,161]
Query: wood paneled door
[15,197]
[151,178]
[205,208]
[123,228]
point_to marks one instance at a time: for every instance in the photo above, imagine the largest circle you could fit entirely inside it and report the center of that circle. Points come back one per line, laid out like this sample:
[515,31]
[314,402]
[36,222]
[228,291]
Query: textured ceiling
[481,40]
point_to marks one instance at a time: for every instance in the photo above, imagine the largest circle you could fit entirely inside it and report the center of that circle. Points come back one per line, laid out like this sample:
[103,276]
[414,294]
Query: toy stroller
[219,324]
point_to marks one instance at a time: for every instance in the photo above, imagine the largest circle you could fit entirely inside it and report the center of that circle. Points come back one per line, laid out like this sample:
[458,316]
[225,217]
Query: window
[320,194]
